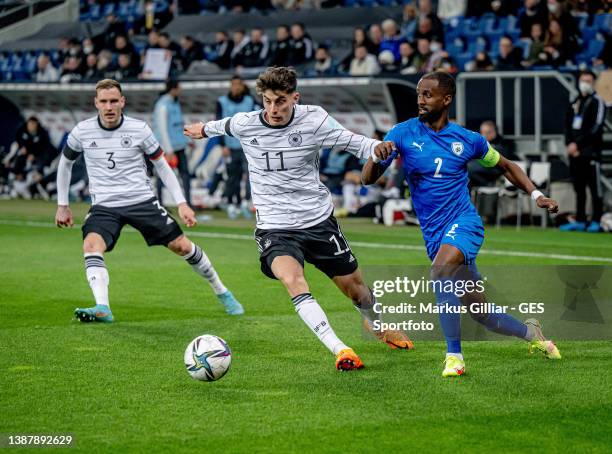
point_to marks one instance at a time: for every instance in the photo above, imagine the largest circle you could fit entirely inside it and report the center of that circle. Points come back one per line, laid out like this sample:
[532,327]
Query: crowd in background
[547,35]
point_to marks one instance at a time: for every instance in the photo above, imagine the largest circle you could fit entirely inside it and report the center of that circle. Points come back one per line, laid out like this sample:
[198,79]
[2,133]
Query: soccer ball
[207,358]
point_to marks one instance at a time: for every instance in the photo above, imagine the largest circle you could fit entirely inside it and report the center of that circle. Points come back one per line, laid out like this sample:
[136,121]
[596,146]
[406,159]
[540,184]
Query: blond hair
[108,84]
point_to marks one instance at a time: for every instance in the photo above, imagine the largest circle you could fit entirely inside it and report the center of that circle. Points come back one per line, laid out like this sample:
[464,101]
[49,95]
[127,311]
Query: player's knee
[292,280]
[180,245]
[93,243]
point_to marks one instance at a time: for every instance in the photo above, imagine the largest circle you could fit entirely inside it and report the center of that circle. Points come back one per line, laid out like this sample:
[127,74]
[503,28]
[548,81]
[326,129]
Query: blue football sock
[504,324]
[449,320]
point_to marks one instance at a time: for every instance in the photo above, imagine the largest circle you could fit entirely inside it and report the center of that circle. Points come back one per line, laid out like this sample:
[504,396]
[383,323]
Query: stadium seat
[602,22]
[95,13]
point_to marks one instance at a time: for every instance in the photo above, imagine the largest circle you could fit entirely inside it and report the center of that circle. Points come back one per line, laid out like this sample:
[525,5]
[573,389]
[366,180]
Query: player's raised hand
[63,217]
[194,130]
[384,149]
[550,204]
[187,215]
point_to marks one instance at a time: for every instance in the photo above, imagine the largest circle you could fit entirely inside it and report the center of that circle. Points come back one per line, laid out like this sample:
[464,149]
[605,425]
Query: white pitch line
[405,247]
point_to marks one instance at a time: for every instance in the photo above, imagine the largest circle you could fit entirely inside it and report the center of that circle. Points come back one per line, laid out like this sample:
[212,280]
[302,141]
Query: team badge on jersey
[126,141]
[457,148]
[295,139]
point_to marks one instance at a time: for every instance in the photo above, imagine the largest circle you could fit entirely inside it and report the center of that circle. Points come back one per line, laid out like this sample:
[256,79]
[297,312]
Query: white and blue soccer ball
[207,358]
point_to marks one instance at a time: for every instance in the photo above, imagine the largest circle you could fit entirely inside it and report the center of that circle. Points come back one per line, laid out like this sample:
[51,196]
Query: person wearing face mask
[584,140]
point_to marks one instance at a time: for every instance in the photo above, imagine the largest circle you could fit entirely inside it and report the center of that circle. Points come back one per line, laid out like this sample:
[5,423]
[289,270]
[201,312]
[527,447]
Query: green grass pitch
[123,387]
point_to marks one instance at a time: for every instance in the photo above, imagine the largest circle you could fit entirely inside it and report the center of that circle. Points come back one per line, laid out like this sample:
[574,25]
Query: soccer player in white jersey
[114,147]
[294,210]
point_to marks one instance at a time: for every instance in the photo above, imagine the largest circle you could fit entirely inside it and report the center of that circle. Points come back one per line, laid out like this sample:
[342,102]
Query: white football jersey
[115,160]
[284,162]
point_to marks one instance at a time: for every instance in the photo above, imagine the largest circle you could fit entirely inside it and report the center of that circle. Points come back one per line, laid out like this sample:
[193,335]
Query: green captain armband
[491,158]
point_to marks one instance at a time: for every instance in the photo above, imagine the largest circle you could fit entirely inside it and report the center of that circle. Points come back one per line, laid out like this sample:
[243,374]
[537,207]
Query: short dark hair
[587,72]
[171,84]
[445,81]
[279,78]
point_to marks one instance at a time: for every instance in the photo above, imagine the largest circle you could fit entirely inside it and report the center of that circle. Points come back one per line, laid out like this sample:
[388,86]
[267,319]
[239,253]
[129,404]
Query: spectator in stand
[604,59]
[222,55]
[91,73]
[360,38]
[407,55]
[71,71]
[438,60]
[323,65]
[154,20]
[536,47]
[533,11]
[191,50]
[88,47]
[75,49]
[46,71]
[560,12]
[123,46]
[166,43]
[391,39]
[486,176]
[280,53]
[409,21]
[386,60]
[423,54]
[62,49]
[482,62]
[105,65]
[363,64]
[375,34]
[34,152]
[114,27]
[152,41]
[425,30]
[510,57]
[125,69]
[558,47]
[253,54]
[240,39]
[426,10]
[301,46]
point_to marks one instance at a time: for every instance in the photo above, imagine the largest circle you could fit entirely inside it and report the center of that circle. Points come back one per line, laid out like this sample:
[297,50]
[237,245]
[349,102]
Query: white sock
[312,314]
[367,311]
[456,355]
[198,260]
[97,276]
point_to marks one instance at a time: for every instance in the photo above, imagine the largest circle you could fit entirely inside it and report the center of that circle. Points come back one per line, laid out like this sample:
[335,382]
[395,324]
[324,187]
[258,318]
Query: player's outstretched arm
[374,167]
[63,215]
[518,178]
[171,182]
[194,130]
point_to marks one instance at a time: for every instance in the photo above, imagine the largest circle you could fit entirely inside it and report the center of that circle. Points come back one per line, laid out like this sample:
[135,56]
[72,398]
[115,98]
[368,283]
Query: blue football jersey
[435,165]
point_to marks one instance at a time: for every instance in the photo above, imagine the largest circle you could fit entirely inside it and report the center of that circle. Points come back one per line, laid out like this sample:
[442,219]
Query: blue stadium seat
[94,12]
[463,59]
[595,47]
[602,22]
[454,46]
[109,8]
[478,45]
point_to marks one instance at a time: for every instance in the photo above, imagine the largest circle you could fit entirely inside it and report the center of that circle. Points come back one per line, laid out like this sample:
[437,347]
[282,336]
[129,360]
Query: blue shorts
[465,232]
